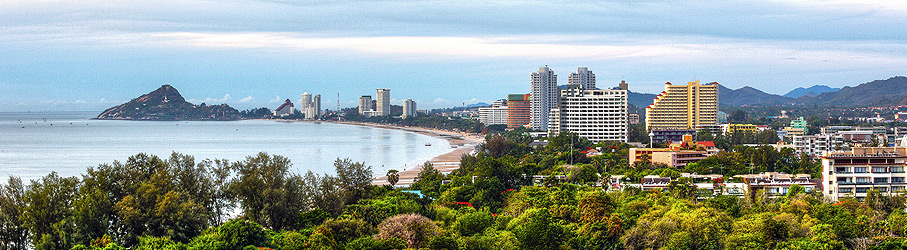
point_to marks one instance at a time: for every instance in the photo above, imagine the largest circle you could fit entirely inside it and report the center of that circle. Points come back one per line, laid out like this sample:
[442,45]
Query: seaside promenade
[445,163]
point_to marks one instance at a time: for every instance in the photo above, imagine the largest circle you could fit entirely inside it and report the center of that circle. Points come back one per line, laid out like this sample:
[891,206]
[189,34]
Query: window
[897,179]
[862,190]
[860,170]
[845,190]
[879,170]
[862,180]
[880,180]
[897,169]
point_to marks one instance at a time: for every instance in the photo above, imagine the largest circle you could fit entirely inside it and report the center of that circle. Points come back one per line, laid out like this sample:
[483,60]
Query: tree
[738,116]
[393,176]
[536,229]
[49,202]
[13,231]
[414,229]
[268,193]
[355,176]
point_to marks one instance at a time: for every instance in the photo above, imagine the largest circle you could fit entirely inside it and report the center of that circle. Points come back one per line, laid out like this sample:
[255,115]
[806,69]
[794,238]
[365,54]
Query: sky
[90,55]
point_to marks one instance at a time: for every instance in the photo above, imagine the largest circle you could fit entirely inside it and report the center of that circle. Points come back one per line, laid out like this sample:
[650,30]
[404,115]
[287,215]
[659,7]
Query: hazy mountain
[748,96]
[811,91]
[889,92]
[640,99]
[166,103]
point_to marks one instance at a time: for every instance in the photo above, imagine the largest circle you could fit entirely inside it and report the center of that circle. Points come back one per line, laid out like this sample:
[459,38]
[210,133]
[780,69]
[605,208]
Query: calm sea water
[34,144]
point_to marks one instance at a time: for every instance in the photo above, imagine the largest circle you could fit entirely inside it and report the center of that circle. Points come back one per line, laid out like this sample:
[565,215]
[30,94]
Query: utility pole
[338,106]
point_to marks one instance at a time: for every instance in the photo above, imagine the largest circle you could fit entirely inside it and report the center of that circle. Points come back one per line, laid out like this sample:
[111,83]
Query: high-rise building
[305,101]
[383,102]
[316,104]
[409,108]
[597,115]
[365,104]
[496,114]
[583,77]
[544,97]
[517,110]
[854,173]
[681,107]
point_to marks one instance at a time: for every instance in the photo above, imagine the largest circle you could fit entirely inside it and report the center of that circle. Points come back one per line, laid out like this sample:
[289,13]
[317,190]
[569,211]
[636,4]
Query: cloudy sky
[89,55]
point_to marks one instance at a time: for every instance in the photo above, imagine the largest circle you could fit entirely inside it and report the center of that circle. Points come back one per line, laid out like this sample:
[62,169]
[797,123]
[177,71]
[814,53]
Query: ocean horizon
[34,144]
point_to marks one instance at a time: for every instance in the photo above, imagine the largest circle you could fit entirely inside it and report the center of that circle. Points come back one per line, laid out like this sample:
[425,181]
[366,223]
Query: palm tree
[393,176]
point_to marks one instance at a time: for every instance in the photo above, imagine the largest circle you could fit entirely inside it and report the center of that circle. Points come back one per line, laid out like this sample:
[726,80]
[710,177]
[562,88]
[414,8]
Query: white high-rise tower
[583,77]
[544,97]
[383,102]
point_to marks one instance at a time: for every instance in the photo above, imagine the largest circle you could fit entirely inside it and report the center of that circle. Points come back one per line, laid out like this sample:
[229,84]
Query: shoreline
[445,163]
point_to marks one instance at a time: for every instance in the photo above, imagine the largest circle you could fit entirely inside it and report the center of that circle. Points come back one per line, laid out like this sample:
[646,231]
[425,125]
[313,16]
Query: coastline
[465,144]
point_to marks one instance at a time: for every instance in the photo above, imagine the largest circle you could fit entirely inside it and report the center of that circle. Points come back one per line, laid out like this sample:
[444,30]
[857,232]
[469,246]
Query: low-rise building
[853,173]
[660,136]
[776,184]
[815,145]
[667,156]
[730,129]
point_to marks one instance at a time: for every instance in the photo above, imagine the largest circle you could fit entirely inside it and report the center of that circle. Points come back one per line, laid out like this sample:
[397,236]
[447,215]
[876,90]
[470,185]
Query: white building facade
[365,104]
[409,108]
[597,115]
[815,145]
[853,173]
[583,77]
[543,97]
[383,102]
[494,115]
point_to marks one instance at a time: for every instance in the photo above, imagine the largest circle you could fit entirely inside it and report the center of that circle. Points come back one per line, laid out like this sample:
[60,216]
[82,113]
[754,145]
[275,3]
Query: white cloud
[276,99]
[210,100]
[440,100]
[247,99]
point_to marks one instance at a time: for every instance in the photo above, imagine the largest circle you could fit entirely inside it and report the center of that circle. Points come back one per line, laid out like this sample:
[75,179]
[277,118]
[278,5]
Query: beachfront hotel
[409,108]
[383,102]
[365,104]
[683,107]
[597,115]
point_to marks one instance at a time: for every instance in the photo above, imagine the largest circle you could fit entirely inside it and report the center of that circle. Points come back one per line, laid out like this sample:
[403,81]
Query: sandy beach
[465,144]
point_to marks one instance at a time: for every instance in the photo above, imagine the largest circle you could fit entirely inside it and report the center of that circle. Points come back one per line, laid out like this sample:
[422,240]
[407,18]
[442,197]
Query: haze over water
[68,142]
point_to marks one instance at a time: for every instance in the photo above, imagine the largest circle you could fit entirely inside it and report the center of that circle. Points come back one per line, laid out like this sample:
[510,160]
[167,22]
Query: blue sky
[90,55]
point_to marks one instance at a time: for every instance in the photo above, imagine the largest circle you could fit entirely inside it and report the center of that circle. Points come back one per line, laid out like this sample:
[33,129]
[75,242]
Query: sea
[33,144]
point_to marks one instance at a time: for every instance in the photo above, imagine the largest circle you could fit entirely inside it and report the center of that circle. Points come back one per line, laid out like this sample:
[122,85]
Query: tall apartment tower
[544,97]
[409,108]
[681,107]
[365,104]
[597,115]
[305,101]
[517,110]
[583,77]
[316,104]
[383,102]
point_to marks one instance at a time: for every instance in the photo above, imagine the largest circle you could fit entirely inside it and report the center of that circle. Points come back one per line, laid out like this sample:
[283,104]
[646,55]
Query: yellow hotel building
[683,107]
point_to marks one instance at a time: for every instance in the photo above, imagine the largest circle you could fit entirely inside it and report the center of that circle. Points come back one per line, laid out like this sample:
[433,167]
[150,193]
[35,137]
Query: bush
[473,223]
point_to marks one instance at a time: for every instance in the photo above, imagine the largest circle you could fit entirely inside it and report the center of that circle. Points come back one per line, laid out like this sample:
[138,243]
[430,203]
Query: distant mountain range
[166,104]
[889,92]
[811,91]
